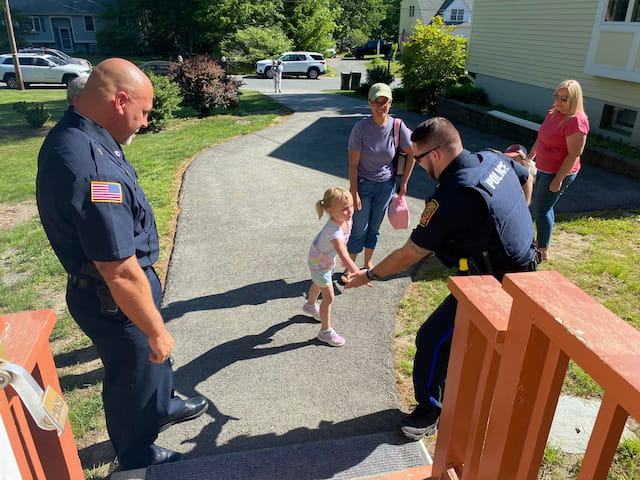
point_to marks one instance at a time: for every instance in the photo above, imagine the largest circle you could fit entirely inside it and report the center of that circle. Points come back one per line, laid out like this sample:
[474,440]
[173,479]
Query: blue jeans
[375,198]
[543,203]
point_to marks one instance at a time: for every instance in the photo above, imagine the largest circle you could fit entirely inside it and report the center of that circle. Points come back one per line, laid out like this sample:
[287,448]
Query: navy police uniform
[477,212]
[93,209]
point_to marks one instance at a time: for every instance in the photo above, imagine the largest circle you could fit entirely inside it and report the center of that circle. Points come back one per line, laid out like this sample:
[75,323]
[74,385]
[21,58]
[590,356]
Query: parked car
[158,67]
[371,48]
[37,68]
[56,53]
[311,64]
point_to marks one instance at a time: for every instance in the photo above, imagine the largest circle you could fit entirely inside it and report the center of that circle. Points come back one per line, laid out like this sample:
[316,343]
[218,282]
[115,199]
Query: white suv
[311,64]
[37,68]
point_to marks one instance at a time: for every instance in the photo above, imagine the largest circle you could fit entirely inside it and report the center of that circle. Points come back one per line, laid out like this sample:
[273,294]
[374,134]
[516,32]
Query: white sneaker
[331,337]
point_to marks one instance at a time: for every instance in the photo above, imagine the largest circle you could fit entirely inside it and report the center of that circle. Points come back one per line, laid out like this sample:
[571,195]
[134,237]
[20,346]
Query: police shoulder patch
[109,192]
[427,213]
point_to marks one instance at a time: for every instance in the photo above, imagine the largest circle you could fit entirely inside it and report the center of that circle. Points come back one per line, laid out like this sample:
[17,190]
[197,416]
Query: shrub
[363,89]
[256,43]
[166,98]
[399,94]
[432,60]
[35,113]
[205,86]
[379,74]
[467,94]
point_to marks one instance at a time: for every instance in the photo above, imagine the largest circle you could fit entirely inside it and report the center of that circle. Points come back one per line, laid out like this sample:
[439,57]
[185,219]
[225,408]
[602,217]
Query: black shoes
[422,421]
[162,455]
[193,408]
[155,455]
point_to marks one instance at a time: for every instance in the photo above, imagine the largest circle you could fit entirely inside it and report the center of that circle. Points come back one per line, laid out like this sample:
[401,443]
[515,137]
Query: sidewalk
[238,279]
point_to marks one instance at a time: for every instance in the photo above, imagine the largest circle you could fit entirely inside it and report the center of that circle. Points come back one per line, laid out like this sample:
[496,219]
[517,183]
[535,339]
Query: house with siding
[520,50]
[68,25]
[453,12]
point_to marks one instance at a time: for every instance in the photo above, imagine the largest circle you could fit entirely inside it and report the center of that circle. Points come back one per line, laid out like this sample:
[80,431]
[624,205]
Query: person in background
[519,153]
[477,220]
[371,176]
[277,76]
[74,88]
[331,241]
[557,149]
[102,229]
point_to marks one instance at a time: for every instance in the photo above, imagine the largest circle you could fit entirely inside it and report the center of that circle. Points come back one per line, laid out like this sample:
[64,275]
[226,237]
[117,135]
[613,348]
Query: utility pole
[12,43]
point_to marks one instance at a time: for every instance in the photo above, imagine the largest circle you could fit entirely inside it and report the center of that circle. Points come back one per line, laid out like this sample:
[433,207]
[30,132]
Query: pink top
[552,140]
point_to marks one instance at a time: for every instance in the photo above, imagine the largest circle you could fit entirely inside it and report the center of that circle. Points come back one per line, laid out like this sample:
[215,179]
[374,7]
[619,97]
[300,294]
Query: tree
[20,27]
[225,17]
[256,43]
[433,59]
[388,28]
[364,16]
[311,23]
[125,33]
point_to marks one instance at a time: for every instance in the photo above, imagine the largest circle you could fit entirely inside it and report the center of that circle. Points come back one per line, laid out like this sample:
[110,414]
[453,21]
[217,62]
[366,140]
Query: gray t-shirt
[375,142]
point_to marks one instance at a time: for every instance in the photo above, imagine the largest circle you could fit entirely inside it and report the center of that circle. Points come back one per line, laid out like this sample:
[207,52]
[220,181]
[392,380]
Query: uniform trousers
[137,393]
[433,347]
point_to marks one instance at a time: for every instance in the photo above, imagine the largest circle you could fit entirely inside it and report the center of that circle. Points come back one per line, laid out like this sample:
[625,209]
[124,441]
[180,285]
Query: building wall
[425,10]
[520,50]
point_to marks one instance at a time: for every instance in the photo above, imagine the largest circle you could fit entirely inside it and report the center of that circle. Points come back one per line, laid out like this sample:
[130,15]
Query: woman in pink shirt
[561,140]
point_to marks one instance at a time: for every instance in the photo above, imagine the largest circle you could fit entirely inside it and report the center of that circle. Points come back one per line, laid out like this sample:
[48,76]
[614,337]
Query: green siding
[540,43]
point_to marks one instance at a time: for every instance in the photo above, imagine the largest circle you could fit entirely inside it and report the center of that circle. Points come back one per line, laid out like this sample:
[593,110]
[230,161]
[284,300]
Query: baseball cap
[516,150]
[379,90]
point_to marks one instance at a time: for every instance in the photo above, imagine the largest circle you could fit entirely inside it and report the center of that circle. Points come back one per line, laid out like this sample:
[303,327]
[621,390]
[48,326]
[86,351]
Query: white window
[618,120]
[412,11]
[35,24]
[614,48]
[623,11]
[89,25]
[457,14]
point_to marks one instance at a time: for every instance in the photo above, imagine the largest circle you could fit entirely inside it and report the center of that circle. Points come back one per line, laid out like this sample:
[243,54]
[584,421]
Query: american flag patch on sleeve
[106,192]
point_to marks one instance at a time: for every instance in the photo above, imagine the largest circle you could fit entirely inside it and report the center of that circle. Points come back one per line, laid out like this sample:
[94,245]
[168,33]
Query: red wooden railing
[39,454]
[510,352]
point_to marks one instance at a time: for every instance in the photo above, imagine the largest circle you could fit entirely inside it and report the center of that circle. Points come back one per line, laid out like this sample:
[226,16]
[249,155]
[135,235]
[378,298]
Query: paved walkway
[238,279]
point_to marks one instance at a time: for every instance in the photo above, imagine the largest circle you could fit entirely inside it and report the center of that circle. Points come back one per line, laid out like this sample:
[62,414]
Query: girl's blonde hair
[575,96]
[332,196]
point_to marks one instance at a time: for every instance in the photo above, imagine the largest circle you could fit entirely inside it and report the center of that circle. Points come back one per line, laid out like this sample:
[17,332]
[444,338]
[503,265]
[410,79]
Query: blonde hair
[575,96]
[332,196]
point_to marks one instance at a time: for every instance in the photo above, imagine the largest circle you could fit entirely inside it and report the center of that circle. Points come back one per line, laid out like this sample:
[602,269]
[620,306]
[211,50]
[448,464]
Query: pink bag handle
[396,132]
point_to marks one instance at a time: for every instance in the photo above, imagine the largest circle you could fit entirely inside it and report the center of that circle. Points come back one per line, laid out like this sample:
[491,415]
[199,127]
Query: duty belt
[83,282]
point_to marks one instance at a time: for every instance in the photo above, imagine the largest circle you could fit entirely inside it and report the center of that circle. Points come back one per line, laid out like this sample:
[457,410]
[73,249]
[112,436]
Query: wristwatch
[371,275]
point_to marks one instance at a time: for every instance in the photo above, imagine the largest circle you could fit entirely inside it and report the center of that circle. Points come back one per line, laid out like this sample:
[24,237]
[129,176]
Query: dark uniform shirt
[91,205]
[457,223]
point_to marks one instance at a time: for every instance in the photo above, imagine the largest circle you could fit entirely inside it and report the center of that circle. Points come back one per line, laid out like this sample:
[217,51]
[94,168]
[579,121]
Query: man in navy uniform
[477,214]
[102,229]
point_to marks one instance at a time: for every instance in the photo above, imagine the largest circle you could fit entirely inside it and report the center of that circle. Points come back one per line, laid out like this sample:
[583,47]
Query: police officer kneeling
[102,230]
[477,214]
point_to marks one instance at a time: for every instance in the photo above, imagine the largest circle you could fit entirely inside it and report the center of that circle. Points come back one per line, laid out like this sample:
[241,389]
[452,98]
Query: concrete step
[368,456]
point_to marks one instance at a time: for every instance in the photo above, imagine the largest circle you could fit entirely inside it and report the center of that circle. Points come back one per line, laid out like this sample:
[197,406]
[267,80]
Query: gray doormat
[347,458]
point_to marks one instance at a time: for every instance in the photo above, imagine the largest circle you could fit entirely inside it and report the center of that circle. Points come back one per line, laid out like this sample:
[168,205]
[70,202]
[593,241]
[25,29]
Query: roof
[58,7]
[427,9]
